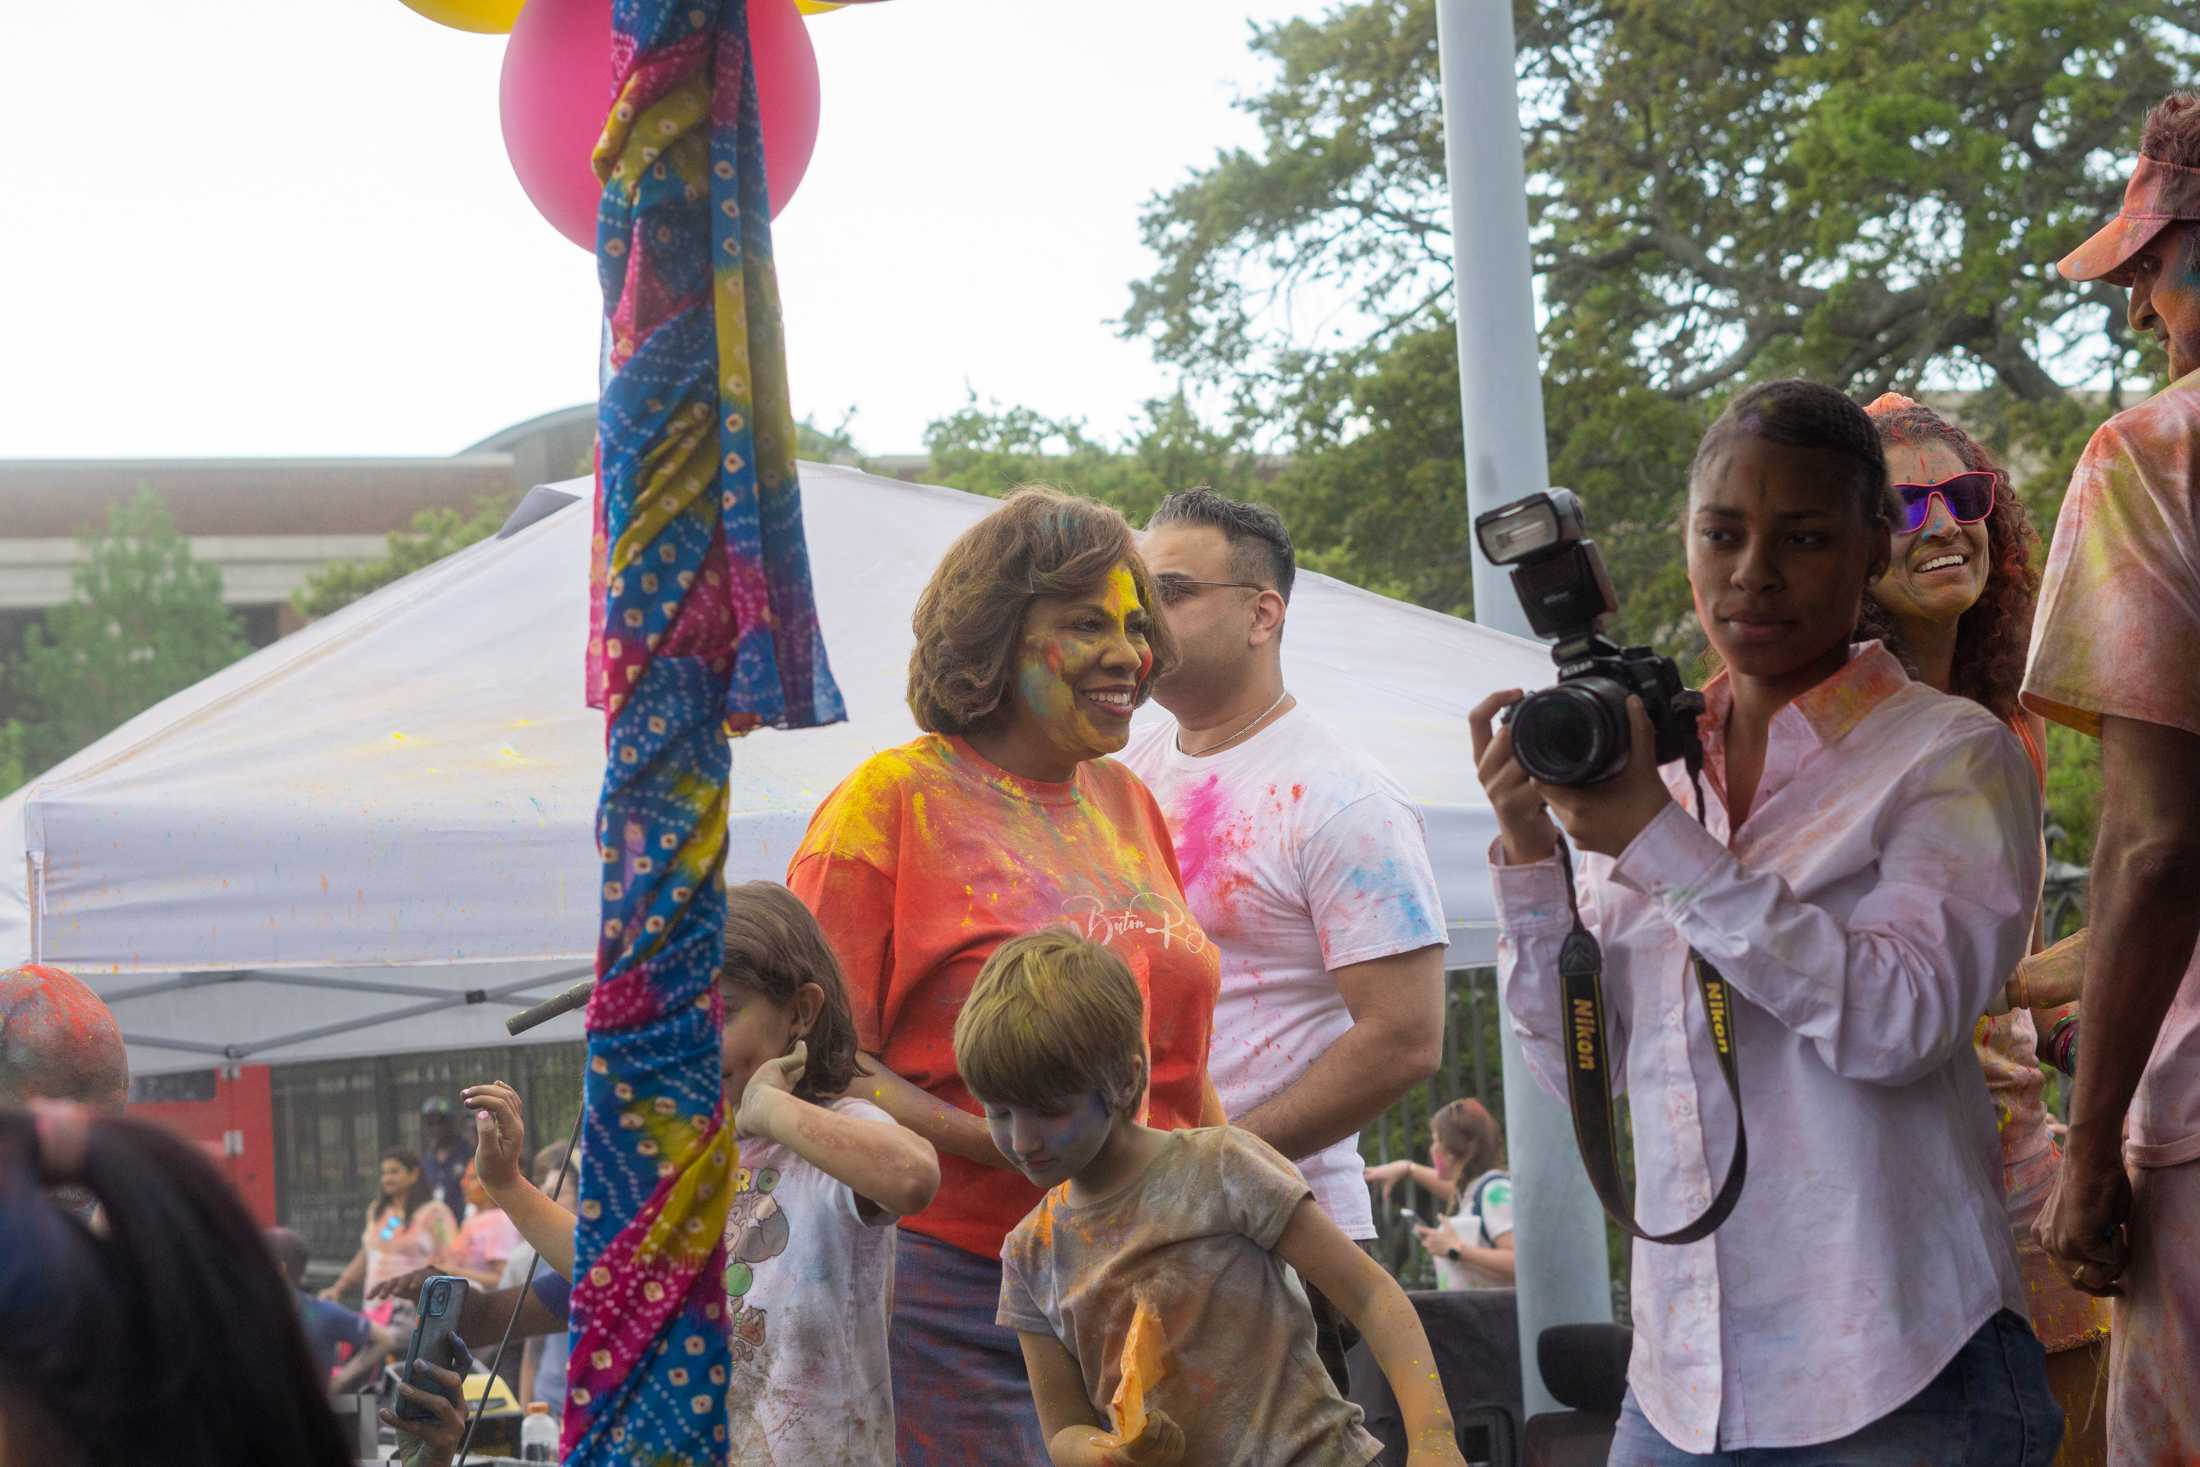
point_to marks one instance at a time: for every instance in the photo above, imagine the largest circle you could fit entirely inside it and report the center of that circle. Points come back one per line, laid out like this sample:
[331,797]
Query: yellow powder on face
[1120,597]
[1142,1370]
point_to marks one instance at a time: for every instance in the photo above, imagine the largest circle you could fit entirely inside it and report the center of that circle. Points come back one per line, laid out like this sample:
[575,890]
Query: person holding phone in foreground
[1863,874]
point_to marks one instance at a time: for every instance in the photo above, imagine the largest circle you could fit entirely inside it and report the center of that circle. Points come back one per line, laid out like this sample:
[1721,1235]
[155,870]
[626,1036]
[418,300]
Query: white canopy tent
[375,836]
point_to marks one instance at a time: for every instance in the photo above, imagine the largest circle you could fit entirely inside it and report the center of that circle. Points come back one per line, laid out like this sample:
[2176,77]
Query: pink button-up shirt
[1880,891]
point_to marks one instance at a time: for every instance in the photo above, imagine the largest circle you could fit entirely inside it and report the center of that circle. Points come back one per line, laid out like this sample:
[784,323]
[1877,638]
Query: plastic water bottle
[538,1435]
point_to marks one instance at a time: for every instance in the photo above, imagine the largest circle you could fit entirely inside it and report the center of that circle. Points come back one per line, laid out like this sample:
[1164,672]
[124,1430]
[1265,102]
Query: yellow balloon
[487,17]
[814,7]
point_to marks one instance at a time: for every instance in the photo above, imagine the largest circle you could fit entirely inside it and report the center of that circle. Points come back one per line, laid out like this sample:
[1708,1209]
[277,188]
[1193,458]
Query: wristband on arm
[2061,1048]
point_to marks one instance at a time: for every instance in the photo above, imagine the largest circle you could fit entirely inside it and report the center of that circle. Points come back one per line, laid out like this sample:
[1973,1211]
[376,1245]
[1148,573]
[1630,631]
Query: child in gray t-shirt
[1205,1233]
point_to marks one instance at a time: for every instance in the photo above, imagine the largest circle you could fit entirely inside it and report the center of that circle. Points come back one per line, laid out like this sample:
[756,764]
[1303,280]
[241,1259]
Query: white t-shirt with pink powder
[1300,856]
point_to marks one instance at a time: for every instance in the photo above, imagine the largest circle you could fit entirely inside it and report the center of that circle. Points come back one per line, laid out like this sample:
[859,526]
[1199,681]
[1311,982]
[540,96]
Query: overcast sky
[238,227]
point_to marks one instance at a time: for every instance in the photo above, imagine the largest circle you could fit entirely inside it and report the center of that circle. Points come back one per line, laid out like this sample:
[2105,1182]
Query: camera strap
[1589,1074]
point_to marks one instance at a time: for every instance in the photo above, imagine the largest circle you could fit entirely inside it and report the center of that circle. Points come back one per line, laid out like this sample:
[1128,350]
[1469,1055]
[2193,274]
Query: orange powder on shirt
[1142,1369]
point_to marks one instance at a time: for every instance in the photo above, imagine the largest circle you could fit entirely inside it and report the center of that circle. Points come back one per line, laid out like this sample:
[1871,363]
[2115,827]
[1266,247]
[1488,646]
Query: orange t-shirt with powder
[929,857]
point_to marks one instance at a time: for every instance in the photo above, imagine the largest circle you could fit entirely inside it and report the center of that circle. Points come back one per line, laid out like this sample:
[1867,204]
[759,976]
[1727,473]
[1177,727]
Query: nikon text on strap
[1589,1074]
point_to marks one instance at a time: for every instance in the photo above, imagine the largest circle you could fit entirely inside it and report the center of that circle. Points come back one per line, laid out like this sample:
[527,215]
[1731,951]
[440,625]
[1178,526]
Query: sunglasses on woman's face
[1968,497]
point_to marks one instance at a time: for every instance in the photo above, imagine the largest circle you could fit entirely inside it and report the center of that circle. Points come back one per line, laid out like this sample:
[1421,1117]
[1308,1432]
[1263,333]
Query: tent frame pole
[1561,1263]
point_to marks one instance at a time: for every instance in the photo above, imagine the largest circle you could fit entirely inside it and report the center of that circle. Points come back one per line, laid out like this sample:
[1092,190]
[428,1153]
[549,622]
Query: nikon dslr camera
[1576,733]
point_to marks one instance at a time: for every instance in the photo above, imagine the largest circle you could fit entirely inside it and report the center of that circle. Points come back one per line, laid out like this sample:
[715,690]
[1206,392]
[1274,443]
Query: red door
[229,1113]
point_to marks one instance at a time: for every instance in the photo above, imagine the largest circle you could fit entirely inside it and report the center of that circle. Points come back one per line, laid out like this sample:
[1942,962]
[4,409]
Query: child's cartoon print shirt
[807,1283]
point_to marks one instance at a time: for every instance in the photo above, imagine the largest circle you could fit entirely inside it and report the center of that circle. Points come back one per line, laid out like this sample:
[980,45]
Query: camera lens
[439,1298]
[1573,734]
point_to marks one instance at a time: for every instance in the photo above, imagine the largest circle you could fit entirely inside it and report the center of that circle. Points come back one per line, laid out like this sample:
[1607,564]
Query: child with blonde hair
[823,1178]
[1156,1288]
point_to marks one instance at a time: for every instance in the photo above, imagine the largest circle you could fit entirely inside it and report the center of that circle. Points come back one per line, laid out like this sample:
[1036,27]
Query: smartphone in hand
[442,1298]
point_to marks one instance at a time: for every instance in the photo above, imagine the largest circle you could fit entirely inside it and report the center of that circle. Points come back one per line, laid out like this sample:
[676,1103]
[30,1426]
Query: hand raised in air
[500,1135]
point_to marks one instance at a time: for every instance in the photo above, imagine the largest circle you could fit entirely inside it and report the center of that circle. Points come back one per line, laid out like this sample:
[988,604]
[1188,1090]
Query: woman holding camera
[1861,870]
[1955,604]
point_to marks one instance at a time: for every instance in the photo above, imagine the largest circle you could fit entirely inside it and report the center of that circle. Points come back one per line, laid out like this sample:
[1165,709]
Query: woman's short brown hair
[970,619]
[773,947]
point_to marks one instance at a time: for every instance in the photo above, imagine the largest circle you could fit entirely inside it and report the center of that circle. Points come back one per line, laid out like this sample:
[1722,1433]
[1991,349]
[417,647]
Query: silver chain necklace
[1242,732]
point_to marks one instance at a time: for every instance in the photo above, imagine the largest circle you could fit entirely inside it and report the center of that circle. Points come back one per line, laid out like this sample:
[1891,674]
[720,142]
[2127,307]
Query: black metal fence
[333,1120]
[1471,1066]
[2062,901]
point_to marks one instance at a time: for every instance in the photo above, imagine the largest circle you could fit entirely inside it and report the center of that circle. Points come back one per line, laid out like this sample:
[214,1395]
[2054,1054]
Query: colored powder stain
[37,999]
[1208,834]
[1042,1227]
[1120,597]
[1385,885]
[850,818]
[1039,680]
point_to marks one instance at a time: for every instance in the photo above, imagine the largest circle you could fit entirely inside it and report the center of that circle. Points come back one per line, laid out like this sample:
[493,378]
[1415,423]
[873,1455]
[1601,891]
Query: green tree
[432,535]
[987,448]
[14,762]
[1868,192]
[146,619]
[834,445]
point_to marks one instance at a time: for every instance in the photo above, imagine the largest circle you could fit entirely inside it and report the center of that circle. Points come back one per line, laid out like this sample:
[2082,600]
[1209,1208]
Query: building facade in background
[266,523]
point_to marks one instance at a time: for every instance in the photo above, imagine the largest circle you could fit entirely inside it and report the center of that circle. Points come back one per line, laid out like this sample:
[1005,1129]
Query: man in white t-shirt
[1302,859]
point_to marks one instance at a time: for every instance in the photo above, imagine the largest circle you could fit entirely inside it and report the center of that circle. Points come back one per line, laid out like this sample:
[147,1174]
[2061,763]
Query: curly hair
[1802,414]
[970,619]
[1994,636]
[2171,132]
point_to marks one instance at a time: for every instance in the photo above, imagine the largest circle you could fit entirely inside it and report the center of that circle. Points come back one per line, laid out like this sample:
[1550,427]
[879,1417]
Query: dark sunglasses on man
[1968,498]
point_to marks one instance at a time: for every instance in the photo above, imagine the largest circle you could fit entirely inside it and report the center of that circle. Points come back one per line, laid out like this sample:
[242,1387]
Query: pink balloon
[556,92]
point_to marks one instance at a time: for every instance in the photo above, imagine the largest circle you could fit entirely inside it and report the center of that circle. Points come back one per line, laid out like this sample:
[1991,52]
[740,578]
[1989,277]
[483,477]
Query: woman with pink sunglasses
[1955,605]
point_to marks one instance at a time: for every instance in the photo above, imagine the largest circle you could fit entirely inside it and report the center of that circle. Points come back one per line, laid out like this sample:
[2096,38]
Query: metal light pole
[1559,1247]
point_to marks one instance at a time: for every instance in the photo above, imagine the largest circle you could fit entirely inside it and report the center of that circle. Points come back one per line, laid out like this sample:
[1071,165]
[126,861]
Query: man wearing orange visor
[2116,655]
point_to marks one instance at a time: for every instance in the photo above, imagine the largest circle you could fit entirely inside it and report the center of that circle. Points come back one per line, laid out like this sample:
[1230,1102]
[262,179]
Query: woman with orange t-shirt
[1035,643]
[1956,606]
